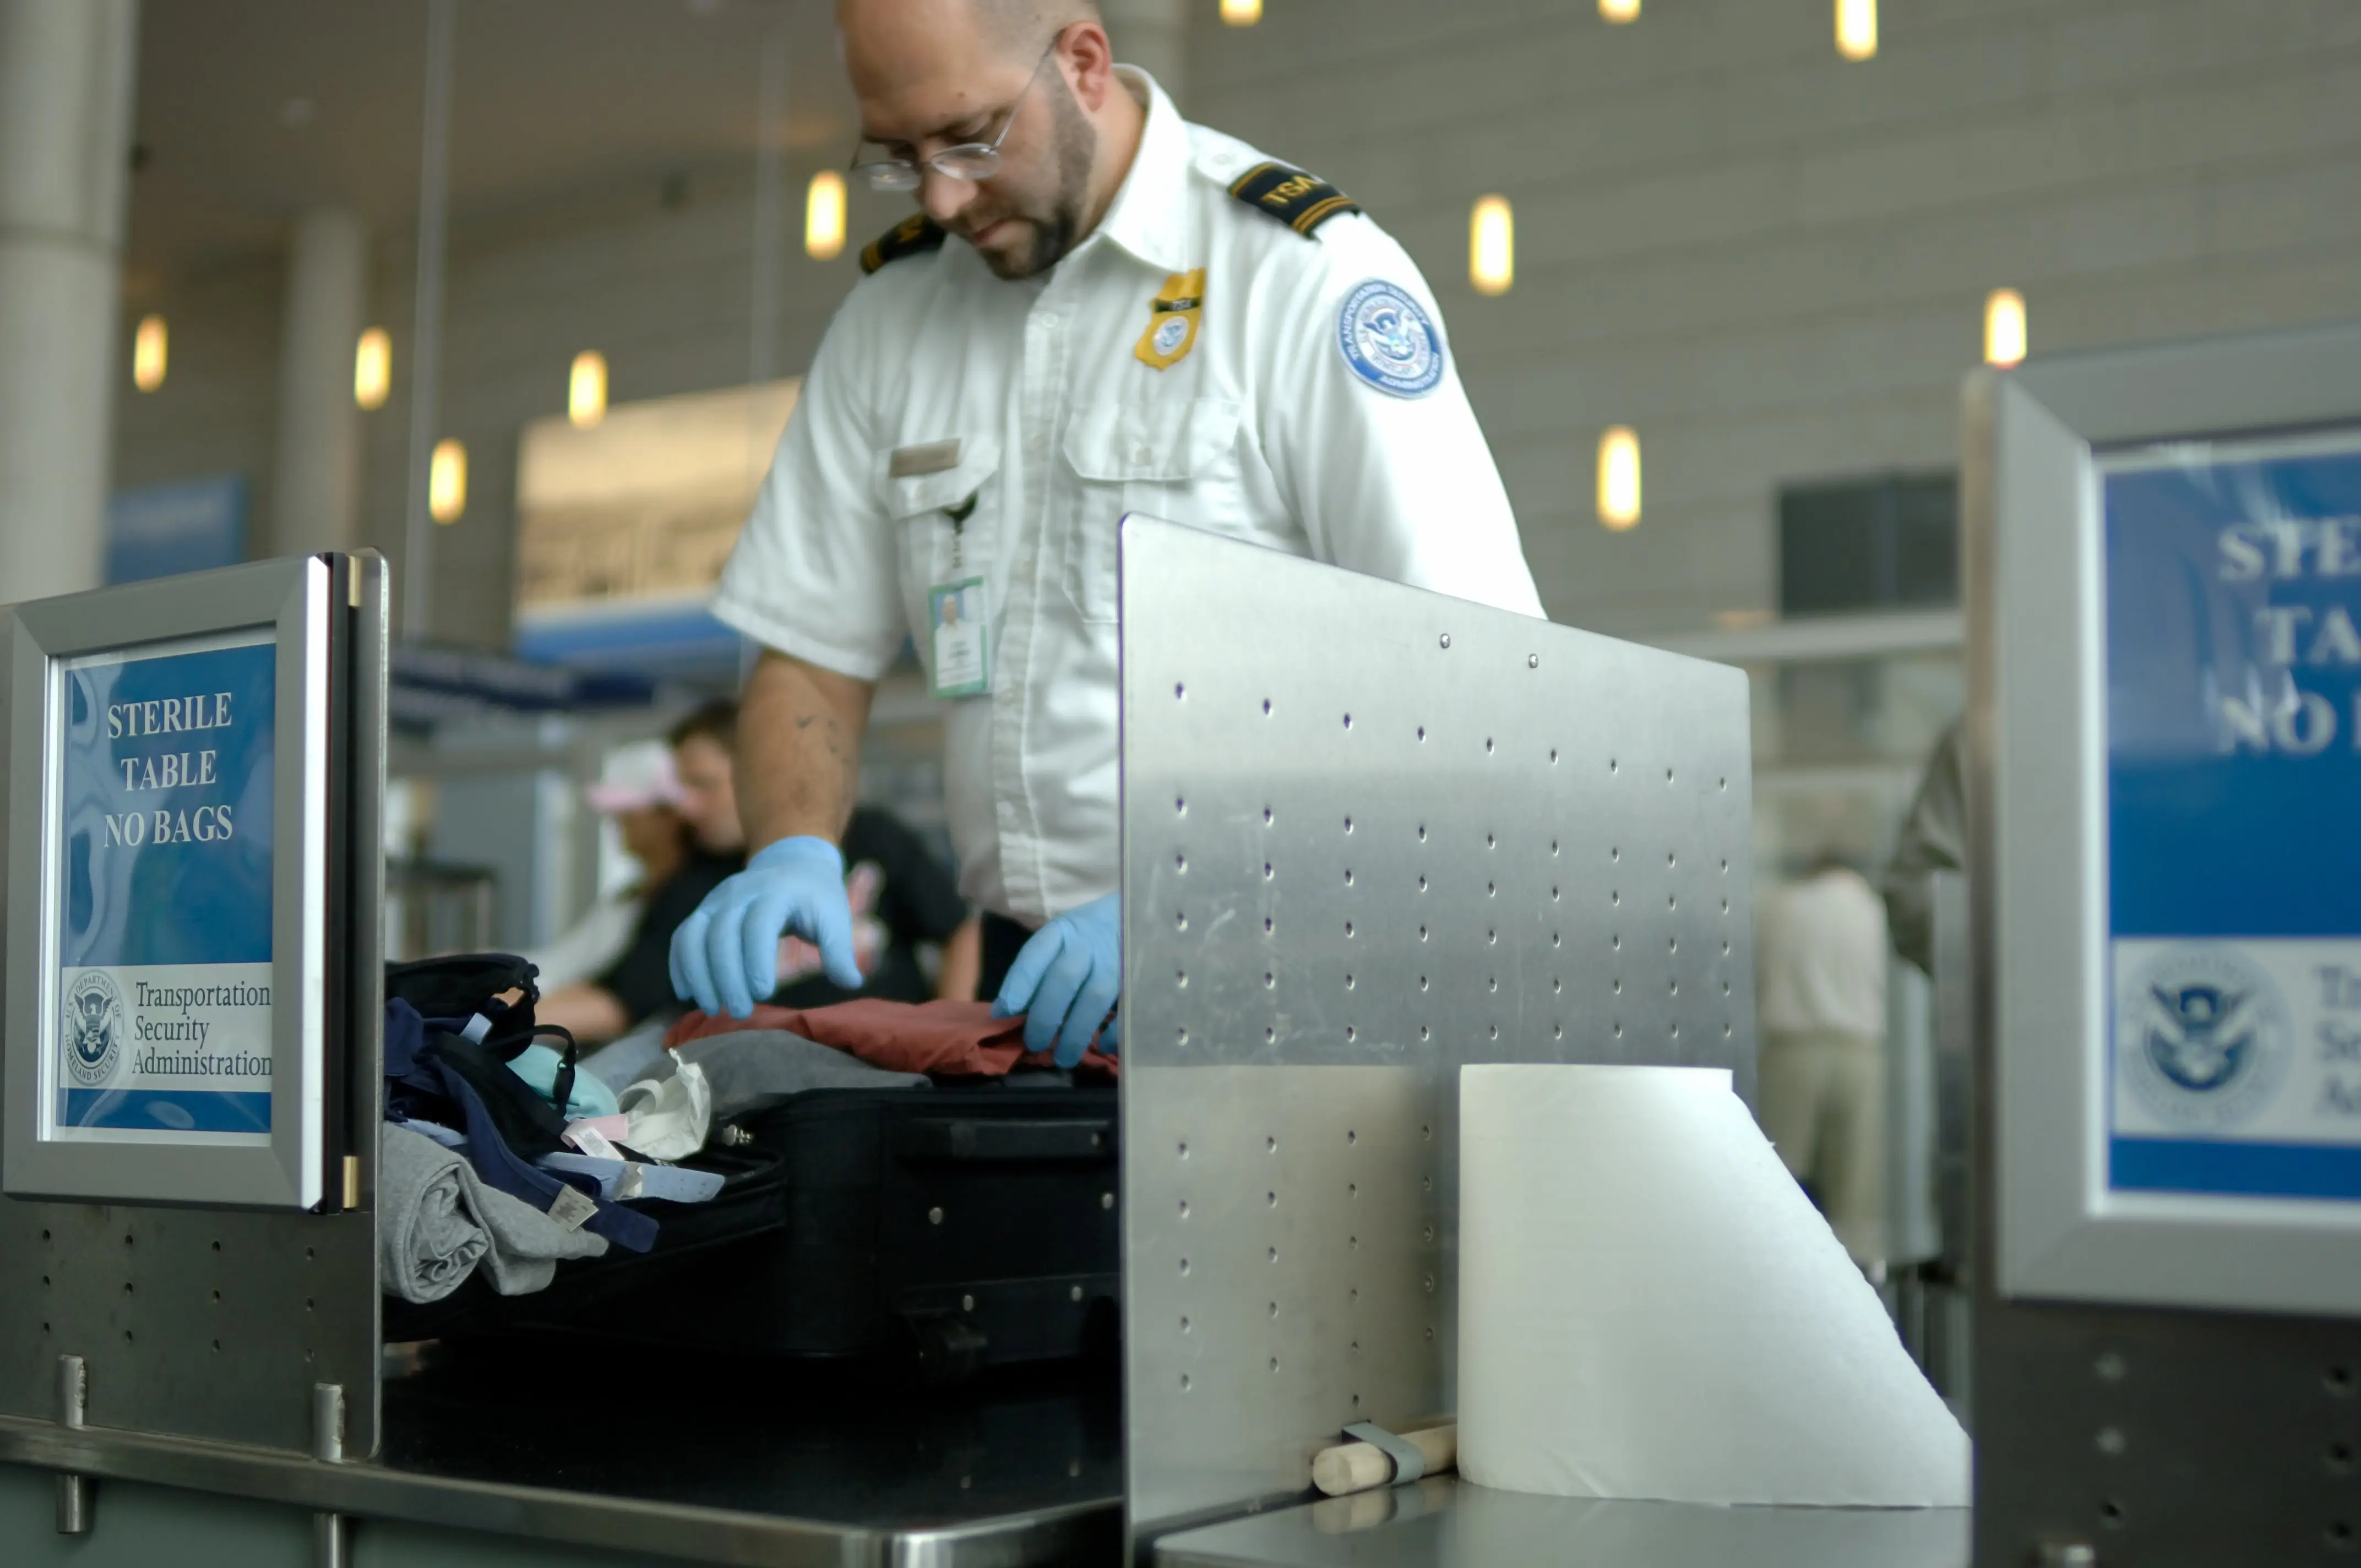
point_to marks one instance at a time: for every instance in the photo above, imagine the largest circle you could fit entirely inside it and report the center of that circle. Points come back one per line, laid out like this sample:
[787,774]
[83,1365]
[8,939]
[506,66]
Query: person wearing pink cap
[641,789]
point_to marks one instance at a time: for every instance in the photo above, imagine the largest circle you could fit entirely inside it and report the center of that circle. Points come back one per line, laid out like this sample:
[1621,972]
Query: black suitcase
[961,1227]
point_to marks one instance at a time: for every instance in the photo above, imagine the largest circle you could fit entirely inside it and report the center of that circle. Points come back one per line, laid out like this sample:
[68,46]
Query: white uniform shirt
[1261,429]
[1820,958]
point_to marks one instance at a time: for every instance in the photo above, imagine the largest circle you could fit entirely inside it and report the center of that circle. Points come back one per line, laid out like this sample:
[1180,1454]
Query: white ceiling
[251,111]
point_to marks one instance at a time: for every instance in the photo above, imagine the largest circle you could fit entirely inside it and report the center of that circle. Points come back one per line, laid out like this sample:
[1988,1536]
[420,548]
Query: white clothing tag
[956,621]
[592,1142]
[571,1210]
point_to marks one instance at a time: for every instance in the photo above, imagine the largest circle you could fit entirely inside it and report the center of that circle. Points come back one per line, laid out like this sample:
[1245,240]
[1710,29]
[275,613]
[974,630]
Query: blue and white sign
[189,526]
[164,854]
[1388,340]
[2234,767]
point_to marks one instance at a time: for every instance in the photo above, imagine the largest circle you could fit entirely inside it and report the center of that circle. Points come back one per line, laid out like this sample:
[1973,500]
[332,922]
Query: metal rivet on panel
[934,1216]
[1446,640]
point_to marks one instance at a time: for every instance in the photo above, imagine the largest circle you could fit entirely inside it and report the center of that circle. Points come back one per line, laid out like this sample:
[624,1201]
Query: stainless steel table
[684,1456]
[1444,1522]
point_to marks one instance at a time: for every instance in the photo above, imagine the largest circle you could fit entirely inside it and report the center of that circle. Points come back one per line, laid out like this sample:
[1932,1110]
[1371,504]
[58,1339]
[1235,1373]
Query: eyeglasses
[969,160]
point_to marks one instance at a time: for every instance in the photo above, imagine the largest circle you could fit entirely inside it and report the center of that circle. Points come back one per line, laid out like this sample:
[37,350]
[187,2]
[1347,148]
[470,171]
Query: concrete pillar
[1152,35]
[316,498]
[66,78]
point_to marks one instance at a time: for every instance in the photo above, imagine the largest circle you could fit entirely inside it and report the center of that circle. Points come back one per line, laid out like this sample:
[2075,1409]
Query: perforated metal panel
[1371,833]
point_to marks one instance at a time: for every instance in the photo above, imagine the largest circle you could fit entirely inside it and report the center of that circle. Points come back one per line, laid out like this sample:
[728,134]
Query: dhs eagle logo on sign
[2203,1039]
[93,1028]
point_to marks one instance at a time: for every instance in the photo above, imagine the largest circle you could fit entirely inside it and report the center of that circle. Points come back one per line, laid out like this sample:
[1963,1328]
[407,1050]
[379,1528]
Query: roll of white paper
[1649,1307]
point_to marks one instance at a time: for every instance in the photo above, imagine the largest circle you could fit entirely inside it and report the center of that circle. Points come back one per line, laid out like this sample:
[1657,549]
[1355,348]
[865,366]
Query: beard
[1057,213]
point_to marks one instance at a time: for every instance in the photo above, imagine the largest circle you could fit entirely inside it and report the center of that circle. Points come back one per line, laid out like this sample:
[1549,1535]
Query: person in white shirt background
[1820,999]
[1099,309]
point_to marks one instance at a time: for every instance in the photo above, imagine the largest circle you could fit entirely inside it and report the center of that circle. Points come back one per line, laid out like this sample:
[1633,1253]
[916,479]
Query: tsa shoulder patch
[1300,200]
[912,235]
[1389,341]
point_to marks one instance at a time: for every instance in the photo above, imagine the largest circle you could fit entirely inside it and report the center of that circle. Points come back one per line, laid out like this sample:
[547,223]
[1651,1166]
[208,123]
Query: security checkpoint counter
[540,1453]
[1443,1521]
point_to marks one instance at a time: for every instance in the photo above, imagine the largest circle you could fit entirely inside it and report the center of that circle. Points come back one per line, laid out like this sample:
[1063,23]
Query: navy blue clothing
[418,1076]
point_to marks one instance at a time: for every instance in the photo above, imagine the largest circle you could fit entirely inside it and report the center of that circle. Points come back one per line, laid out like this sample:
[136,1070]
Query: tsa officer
[1098,308]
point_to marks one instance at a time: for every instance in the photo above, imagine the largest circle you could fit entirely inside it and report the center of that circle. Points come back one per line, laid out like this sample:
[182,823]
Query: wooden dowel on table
[1358,1466]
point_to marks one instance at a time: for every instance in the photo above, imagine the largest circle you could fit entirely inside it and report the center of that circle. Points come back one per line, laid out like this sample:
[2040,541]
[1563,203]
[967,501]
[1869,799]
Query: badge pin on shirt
[1173,320]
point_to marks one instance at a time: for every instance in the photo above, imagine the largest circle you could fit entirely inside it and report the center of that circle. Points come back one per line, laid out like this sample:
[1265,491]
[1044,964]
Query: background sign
[2234,818]
[163,1025]
[189,526]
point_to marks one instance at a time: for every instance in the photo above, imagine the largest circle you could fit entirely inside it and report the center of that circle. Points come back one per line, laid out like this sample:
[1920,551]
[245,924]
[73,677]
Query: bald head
[930,74]
[1005,28]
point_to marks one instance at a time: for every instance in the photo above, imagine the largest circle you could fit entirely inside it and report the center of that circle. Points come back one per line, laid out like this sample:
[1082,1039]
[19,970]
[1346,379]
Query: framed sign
[170,791]
[2164,558]
[2233,862]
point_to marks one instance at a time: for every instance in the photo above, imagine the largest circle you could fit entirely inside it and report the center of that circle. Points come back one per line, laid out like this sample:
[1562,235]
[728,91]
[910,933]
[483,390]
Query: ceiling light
[1857,28]
[447,481]
[824,215]
[148,353]
[1492,246]
[1619,478]
[1242,13]
[1620,10]
[586,388]
[2004,328]
[373,369]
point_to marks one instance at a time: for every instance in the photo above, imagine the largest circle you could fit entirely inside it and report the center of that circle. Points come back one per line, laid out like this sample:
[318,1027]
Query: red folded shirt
[951,1039]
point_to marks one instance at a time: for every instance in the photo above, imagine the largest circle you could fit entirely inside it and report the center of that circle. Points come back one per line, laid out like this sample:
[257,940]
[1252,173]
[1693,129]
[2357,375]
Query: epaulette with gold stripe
[1301,200]
[912,235]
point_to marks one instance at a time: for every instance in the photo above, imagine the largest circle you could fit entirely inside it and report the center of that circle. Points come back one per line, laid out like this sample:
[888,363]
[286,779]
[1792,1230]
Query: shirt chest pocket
[944,502]
[1176,460]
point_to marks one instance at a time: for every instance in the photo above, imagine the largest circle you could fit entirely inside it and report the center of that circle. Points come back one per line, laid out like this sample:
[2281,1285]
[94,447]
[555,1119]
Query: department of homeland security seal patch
[1388,340]
[93,1028]
[2203,1037]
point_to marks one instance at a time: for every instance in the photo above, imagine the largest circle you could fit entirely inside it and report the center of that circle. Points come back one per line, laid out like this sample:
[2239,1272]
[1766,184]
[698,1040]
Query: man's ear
[1088,59]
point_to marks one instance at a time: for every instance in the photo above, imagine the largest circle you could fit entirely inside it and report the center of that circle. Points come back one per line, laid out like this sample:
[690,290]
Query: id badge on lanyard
[958,621]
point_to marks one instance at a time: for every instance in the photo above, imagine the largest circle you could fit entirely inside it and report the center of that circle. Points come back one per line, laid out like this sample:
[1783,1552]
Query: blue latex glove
[1066,979]
[725,956]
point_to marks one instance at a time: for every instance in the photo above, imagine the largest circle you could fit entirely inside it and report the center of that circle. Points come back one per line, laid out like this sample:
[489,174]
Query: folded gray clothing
[436,1222]
[755,1069]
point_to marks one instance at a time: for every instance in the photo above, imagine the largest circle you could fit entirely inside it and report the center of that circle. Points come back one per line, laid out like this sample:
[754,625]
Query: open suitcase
[960,1227]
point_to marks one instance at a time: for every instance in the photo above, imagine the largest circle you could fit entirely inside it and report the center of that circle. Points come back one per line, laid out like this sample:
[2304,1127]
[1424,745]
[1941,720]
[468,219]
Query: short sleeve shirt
[958,426]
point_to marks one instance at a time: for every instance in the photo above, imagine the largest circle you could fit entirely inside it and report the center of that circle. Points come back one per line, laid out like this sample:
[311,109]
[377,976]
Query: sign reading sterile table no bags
[2233,649]
[177,760]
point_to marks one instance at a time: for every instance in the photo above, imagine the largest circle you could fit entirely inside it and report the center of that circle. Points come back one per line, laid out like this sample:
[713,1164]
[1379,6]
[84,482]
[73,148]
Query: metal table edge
[369,1490]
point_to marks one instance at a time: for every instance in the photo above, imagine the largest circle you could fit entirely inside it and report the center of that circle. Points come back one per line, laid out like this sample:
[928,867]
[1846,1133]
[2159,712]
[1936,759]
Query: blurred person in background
[1820,986]
[1934,839]
[637,788]
[901,897]
[1098,308]
[660,817]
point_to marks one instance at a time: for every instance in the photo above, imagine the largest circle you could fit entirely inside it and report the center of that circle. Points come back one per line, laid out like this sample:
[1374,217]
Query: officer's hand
[725,956]
[1066,980]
